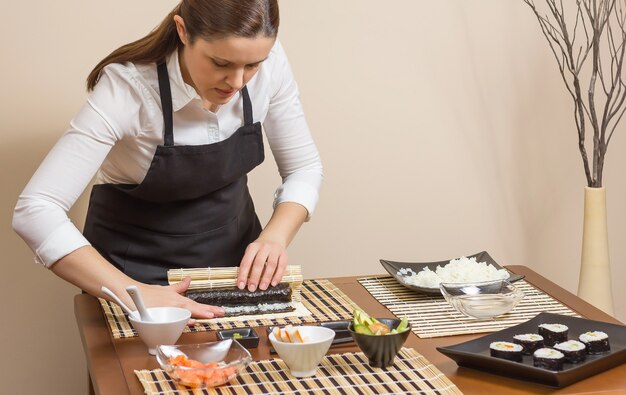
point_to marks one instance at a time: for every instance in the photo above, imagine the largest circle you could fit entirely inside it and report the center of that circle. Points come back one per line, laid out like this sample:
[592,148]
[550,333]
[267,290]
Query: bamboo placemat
[337,374]
[431,316]
[322,298]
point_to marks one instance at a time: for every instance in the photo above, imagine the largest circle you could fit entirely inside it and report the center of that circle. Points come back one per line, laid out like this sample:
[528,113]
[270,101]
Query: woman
[171,128]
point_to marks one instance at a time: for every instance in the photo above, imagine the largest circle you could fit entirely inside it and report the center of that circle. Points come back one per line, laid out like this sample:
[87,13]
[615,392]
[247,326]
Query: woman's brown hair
[207,19]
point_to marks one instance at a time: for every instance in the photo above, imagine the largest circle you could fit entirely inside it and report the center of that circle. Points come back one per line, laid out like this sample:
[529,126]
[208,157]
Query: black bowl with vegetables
[379,339]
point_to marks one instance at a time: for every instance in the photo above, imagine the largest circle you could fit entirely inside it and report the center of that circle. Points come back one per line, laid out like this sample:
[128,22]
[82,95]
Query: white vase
[594,285]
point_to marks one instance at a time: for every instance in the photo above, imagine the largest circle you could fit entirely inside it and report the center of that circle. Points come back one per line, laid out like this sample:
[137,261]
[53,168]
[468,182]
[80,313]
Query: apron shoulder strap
[247,107]
[166,104]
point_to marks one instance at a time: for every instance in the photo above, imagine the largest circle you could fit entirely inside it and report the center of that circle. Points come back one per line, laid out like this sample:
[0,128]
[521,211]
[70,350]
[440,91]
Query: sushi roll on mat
[235,301]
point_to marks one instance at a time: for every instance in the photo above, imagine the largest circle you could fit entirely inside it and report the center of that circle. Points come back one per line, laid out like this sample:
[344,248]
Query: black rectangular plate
[342,334]
[393,267]
[249,337]
[475,353]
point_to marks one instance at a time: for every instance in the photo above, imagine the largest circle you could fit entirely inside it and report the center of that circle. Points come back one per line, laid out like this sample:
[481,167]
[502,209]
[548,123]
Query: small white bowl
[166,328]
[303,358]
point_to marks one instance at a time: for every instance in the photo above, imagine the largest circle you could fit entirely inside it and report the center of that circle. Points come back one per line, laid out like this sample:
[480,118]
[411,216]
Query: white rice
[593,336]
[556,328]
[570,345]
[260,308]
[528,337]
[506,346]
[462,270]
[548,353]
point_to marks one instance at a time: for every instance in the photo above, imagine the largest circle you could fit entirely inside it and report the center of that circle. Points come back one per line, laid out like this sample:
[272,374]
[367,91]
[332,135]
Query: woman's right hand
[172,295]
[88,270]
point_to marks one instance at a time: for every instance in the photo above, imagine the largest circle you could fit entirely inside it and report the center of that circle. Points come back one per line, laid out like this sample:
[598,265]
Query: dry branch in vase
[588,41]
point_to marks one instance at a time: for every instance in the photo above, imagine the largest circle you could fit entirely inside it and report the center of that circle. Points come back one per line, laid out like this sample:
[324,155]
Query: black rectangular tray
[475,353]
[249,338]
[393,268]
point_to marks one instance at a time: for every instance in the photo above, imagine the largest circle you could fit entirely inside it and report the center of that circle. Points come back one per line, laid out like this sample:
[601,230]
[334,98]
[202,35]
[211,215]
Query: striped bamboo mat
[322,298]
[431,316]
[337,374]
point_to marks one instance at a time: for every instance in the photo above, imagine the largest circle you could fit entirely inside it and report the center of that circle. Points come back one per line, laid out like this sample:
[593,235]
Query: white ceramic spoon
[118,301]
[134,293]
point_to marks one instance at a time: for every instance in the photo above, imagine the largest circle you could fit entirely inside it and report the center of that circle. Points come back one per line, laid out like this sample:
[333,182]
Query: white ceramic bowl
[167,327]
[303,358]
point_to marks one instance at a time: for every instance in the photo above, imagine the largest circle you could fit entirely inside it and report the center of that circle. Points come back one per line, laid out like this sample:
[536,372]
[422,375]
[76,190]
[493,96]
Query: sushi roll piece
[553,333]
[529,341]
[506,350]
[573,350]
[548,358]
[597,342]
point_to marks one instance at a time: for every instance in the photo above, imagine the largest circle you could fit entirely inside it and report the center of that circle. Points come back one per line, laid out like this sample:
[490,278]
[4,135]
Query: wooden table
[111,361]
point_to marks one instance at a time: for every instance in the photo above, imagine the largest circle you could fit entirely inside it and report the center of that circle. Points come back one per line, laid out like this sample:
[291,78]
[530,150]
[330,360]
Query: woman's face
[219,68]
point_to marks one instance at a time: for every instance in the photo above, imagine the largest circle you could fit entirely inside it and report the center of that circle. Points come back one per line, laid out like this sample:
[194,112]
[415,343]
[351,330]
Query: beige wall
[443,126]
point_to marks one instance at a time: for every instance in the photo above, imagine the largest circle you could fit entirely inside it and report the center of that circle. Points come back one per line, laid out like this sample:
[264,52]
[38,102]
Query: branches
[598,35]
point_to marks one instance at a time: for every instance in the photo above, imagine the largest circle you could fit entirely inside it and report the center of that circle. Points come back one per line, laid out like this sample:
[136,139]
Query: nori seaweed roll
[235,301]
[597,342]
[548,358]
[573,350]
[529,341]
[553,333]
[506,350]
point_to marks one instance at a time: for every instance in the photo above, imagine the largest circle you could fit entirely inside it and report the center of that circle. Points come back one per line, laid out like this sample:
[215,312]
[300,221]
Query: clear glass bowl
[204,364]
[483,300]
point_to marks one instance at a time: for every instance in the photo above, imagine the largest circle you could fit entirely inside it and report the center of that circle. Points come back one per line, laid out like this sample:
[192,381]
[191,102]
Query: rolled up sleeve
[290,140]
[41,213]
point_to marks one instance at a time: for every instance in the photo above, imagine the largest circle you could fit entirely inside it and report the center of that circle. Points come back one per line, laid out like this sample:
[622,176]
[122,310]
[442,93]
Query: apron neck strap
[165,92]
[247,107]
[166,104]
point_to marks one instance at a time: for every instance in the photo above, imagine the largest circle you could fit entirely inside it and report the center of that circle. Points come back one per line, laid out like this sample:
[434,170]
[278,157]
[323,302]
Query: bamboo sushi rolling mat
[224,277]
[337,374]
[322,298]
[432,316]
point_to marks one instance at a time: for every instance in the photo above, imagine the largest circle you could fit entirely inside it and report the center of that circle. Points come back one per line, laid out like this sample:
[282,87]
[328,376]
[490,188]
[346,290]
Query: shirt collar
[182,93]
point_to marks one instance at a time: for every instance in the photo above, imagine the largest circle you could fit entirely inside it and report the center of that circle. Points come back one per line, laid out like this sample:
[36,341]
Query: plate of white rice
[426,276]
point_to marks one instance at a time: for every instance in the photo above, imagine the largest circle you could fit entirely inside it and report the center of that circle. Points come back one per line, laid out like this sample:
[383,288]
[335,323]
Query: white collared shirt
[115,135]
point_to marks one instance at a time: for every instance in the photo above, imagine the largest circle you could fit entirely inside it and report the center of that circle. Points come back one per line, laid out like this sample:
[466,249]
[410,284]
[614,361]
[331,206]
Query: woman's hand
[263,263]
[88,270]
[171,295]
[265,259]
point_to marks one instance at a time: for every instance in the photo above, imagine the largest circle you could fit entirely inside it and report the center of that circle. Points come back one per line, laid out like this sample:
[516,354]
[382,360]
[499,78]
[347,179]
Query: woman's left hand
[263,263]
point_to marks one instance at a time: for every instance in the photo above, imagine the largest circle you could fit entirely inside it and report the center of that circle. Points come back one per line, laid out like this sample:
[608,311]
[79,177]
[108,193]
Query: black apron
[193,208]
